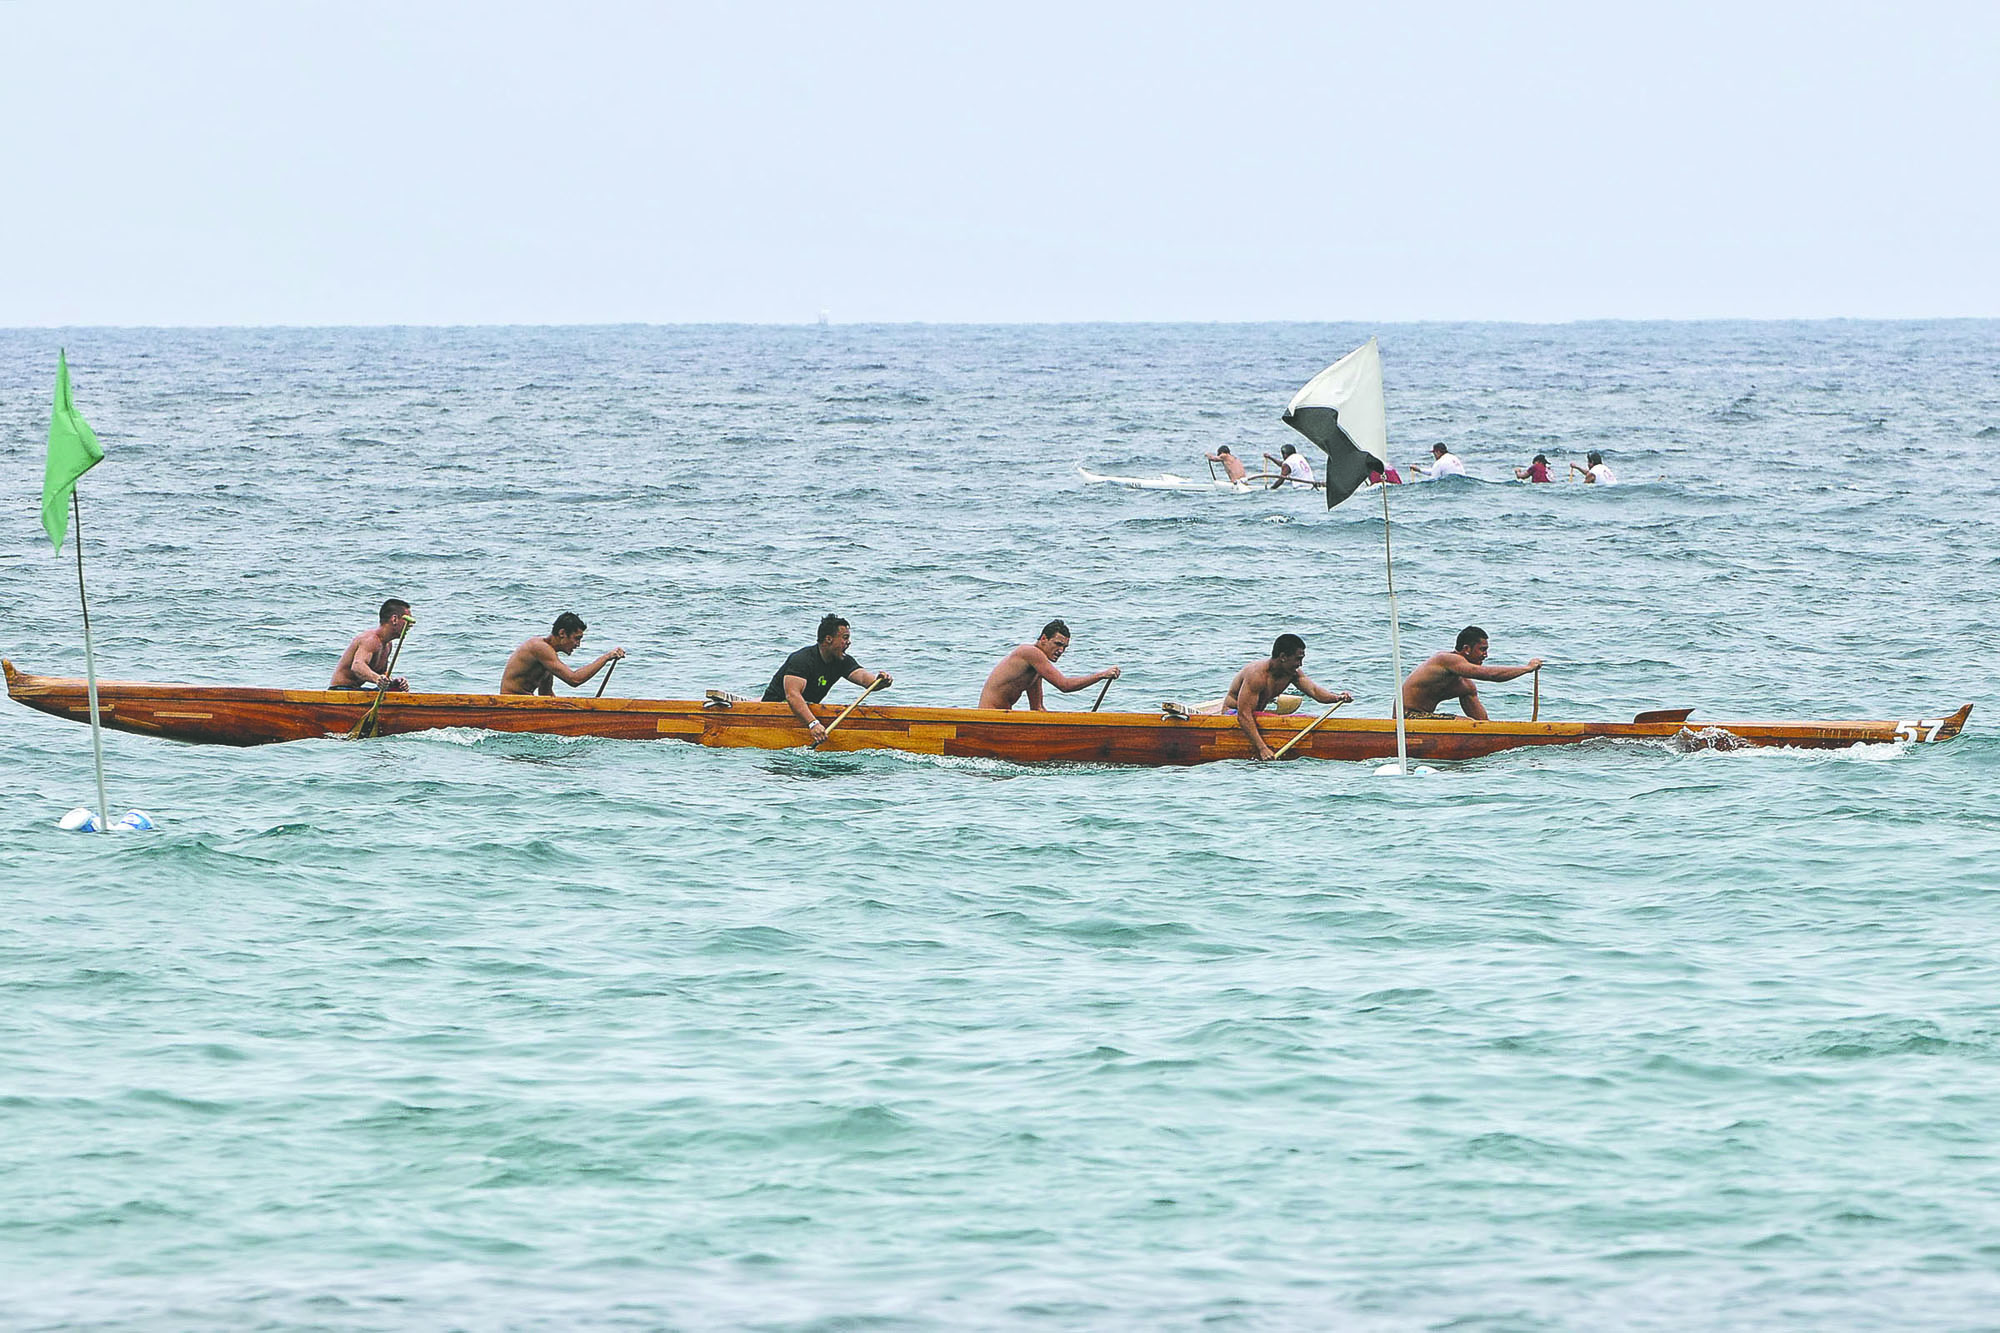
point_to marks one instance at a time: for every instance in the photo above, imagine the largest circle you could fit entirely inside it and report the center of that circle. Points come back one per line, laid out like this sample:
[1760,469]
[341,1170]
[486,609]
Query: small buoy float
[82,820]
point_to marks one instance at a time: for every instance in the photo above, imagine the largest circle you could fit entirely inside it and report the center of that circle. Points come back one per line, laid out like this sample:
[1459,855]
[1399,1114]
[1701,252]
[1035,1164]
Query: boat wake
[815,764]
[1688,740]
[1168,481]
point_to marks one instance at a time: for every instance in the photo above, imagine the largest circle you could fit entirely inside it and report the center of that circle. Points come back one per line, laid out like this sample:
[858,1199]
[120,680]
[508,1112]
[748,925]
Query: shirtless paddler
[1259,683]
[1024,670]
[534,667]
[365,664]
[1450,676]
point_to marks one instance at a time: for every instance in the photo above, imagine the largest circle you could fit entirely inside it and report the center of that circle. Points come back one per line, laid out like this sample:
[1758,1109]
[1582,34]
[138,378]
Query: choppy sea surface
[476,1031]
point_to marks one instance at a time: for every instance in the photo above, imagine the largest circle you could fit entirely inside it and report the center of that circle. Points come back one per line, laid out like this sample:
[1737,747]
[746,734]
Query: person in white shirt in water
[1595,470]
[1292,467]
[1444,463]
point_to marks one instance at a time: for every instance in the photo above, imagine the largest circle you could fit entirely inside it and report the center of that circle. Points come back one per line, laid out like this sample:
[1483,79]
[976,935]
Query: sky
[205,162]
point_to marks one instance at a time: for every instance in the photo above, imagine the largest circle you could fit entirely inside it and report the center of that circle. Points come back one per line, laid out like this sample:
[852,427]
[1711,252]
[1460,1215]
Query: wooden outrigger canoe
[231,715]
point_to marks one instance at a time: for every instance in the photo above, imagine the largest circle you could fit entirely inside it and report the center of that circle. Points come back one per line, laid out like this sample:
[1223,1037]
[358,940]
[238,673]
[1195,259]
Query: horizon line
[1015,323]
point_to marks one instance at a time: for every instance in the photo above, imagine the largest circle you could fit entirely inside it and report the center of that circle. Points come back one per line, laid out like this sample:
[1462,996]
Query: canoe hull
[231,715]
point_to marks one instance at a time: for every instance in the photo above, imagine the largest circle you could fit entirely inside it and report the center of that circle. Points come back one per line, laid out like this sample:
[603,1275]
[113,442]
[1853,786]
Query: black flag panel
[1346,466]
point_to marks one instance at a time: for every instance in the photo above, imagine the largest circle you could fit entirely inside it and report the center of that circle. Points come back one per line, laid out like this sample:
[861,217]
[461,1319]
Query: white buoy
[133,821]
[1398,771]
[79,820]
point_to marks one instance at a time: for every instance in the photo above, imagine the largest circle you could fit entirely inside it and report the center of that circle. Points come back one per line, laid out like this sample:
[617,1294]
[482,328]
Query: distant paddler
[1537,471]
[810,672]
[1444,463]
[1594,470]
[1259,683]
[1231,464]
[1291,467]
[1024,670]
[1450,676]
[536,666]
[365,664]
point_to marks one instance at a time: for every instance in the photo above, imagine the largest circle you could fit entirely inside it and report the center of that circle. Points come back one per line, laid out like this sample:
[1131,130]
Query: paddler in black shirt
[809,673]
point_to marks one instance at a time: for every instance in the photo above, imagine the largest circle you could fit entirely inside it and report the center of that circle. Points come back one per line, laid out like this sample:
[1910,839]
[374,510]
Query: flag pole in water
[73,451]
[90,674]
[1395,640]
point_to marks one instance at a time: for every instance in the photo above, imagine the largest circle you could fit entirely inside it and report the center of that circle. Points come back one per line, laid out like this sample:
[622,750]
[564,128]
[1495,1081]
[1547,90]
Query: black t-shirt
[818,674]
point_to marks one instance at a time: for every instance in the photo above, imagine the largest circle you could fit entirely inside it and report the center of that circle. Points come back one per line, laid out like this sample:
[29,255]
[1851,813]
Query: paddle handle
[1101,693]
[1300,734]
[845,711]
[607,677]
[1536,716]
[366,726]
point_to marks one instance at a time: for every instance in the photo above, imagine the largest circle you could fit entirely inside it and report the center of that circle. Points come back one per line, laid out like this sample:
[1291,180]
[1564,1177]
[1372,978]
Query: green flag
[73,451]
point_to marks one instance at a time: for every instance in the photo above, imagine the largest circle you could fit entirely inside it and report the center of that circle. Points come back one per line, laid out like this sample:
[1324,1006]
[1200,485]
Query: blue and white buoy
[83,820]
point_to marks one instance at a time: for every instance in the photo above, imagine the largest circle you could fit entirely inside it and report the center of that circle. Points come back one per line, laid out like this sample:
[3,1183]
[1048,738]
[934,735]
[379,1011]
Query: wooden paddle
[607,677]
[1536,716]
[1301,733]
[845,711]
[366,726]
[1101,693]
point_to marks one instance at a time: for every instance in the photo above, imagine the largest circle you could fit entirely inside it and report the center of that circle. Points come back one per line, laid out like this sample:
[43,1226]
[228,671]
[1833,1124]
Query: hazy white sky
[178,162]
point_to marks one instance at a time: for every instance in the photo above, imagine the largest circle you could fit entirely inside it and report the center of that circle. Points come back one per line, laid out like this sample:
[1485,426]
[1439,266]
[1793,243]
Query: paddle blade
[1663,715]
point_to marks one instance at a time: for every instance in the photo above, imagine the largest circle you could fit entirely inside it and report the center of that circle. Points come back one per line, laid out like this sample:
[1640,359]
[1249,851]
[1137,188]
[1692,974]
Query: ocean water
[472,1031]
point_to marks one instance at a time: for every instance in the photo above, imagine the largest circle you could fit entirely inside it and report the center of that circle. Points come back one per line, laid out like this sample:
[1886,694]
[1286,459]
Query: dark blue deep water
[501,1032]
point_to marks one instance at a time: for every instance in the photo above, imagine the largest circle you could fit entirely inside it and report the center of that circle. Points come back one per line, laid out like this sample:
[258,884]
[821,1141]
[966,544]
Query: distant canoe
[234,715]
[1252,482]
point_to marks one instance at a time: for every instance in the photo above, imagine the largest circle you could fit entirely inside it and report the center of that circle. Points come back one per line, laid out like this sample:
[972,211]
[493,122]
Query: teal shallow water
[478,1031]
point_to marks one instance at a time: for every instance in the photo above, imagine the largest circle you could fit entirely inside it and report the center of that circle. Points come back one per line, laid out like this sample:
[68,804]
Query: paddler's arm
[863,677]
[575,678]
[561,671]
[358,660]
[1312,690]
[795,699]
[1046,670]
[1495,673]
[1246,718]
[364,666]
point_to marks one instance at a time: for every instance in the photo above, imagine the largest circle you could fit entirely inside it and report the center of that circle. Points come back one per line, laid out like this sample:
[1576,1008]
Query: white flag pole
[1395,634]
[90,671]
